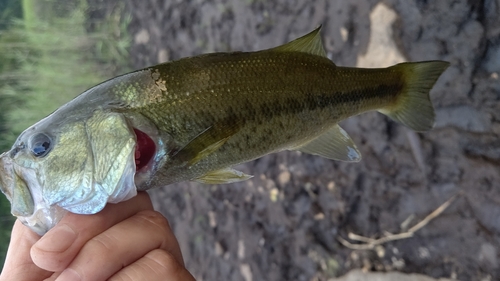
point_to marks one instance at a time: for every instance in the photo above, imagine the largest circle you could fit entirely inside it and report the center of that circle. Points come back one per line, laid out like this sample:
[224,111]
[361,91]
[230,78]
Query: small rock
[273,194]
[163,55]
[241,249]
[246,272]
[424,253]
[212,220]
[141,37]
[488,254]
[218,249]
[382,50]
[284,177]
[319,216]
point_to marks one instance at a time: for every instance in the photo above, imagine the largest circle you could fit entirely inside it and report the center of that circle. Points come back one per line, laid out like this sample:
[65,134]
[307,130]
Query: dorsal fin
[310,43]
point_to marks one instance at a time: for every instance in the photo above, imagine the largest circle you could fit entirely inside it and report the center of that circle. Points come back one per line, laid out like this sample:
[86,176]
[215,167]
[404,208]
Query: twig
[370,243]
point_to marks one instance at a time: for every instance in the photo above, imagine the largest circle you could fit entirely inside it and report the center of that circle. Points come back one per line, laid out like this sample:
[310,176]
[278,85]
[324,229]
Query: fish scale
[266,94]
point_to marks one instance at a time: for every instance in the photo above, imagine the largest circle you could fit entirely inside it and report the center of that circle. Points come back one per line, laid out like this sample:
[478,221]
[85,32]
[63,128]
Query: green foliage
[46,59]
[6,103]
[59,59]
[8,10]
[112,40]
[6,222]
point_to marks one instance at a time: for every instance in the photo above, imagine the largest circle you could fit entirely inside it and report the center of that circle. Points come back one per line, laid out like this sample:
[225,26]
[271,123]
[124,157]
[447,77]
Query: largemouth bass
[195,118]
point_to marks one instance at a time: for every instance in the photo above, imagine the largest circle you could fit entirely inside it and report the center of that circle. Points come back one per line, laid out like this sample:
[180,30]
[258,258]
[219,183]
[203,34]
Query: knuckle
[154,218]
[164,262]
[102,243]
[86,225]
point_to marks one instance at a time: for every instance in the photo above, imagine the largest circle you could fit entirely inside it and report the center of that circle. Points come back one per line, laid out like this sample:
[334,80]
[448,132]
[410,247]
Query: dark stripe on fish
[327,100]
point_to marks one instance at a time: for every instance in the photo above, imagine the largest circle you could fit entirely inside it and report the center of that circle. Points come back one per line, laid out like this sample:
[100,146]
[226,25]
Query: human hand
[125,241]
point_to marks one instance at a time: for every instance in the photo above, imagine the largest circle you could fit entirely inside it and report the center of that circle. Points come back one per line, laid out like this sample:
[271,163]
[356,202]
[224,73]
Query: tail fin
[414,108]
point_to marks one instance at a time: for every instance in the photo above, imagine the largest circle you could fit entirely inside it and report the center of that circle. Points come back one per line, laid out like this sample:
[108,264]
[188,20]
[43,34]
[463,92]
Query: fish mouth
[6,172]
[14,187]
[21,187]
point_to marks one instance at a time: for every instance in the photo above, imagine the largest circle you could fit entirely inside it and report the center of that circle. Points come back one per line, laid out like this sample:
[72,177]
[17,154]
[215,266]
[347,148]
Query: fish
[195,118]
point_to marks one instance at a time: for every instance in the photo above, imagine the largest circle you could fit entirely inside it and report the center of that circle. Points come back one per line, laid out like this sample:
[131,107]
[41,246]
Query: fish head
[74,163]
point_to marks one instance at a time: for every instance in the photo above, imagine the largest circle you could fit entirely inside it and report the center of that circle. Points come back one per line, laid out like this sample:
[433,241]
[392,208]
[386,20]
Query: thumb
[18,264]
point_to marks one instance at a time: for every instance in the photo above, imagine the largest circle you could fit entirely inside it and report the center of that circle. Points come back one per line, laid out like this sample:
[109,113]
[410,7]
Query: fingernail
[69,274]
[57,240]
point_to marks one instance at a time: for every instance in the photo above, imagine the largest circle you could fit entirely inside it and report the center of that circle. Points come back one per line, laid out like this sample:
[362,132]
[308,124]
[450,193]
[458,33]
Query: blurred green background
[50,51]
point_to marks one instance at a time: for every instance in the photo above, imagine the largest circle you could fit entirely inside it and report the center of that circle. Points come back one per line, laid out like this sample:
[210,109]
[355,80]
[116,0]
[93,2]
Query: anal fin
[227,175]
[333,144]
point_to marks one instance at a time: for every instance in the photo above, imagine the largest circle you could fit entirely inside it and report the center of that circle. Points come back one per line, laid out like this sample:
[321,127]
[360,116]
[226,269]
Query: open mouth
[145,149]
[14,183]
[26,201]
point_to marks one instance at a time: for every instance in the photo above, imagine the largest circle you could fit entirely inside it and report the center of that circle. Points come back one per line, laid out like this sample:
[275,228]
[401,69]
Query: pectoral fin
[223,176]
[334,144]
[204,144]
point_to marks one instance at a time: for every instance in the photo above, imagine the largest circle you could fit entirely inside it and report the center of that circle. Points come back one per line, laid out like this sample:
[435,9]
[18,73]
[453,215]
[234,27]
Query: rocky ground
[286,223]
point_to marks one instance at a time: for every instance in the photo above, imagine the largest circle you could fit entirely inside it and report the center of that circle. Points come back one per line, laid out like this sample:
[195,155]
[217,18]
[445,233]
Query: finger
[157,265]
[58,247]
[53,277]
[18,264]
[121,245]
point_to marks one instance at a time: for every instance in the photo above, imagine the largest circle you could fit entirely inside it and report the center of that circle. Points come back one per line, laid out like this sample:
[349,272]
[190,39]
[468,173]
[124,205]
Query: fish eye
[40,144]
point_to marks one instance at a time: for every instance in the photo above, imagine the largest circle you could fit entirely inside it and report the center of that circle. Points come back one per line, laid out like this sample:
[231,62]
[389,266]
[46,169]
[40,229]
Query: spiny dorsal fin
[333,144]
[310,43]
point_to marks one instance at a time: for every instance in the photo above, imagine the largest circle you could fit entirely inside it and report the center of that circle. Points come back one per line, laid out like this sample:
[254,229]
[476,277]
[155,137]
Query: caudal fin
[413,107]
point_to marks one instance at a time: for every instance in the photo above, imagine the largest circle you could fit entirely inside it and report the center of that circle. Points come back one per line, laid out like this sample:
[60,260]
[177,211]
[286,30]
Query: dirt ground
[286,222]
